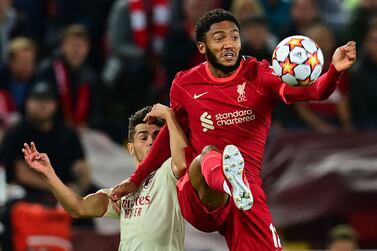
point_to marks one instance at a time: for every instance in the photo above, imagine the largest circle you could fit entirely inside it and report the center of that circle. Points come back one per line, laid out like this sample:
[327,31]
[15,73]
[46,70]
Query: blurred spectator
[40,125]
[304,14]
[17,76]
[63,145]
[342,238]
[180,50]
[242,9]
[276,14]
[334,113]
[11,25]
[363,94]
[257,41]
[136,31]
[357,26]
[73,81]
[333,13]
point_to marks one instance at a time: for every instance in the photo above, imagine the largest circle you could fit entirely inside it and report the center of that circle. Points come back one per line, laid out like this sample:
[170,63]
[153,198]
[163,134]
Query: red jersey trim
[281,93]
[222,80]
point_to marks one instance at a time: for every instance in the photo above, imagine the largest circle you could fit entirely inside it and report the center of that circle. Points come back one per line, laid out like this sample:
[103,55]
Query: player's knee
[208,149]
[195,174]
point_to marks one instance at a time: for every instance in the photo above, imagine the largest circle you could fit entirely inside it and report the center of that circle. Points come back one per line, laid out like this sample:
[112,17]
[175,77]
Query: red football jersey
[233,110]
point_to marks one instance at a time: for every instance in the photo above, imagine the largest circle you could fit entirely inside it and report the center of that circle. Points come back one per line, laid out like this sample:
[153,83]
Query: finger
[151,119]
[114,195]
[147,117]
[33,148]
[38,156]
[116,207]
[27,148]
[33,156]
[24,152]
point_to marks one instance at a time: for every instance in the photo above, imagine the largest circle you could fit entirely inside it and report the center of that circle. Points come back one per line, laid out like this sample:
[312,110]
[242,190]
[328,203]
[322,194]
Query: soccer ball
[297,60]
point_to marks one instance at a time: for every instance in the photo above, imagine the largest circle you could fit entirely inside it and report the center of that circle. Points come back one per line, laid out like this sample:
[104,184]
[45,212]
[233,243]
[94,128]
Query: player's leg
[215,172]
[210,197]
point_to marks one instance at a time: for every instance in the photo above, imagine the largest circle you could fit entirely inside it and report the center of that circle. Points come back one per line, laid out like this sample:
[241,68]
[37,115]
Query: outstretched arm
[325,85]
[178,140]
[93,205]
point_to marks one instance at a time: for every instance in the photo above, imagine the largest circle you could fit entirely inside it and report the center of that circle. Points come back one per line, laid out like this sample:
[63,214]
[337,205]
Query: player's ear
[131,148]
[201,47]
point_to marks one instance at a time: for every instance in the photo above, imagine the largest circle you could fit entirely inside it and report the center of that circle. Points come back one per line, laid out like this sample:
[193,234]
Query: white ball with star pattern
[297,60]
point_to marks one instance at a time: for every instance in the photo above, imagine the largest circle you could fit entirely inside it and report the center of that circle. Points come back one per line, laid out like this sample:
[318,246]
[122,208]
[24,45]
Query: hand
[158,111]
[122,189]
[116,206]
[344,56]
[37,161]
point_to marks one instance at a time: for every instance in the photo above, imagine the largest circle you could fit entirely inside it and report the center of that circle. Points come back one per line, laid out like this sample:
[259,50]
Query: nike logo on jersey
[196,96]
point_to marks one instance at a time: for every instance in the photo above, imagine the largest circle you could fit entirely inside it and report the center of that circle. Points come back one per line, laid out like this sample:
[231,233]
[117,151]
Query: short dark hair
[342,232]
[138,118]
[76,30]
[214,16]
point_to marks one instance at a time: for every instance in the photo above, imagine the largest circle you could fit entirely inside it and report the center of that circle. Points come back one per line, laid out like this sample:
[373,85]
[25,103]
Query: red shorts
[243,230]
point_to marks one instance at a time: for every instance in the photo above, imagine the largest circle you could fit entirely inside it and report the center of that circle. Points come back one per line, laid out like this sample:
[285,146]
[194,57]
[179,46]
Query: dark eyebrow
[142,132]
[218,32]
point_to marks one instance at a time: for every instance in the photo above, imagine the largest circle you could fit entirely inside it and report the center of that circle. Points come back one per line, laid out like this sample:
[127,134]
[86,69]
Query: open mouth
[229,55]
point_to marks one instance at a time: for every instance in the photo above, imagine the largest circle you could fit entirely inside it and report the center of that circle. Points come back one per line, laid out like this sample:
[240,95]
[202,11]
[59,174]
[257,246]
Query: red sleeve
[321,89]
[160,150]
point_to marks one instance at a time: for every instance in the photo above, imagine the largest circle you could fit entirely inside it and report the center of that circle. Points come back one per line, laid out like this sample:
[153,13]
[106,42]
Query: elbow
[75,212]
[180,168]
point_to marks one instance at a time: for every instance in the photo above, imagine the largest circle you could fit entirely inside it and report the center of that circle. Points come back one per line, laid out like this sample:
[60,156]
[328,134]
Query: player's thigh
[211,198]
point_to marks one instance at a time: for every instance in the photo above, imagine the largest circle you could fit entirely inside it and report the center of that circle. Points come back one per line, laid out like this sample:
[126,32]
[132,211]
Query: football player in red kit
[227,102]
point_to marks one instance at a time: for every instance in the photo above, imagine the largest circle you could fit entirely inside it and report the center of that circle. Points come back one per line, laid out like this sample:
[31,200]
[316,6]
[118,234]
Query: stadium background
[320,168]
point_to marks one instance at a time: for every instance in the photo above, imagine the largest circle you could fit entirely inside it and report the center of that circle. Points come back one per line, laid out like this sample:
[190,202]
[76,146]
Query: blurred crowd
[67,65]
[105,59]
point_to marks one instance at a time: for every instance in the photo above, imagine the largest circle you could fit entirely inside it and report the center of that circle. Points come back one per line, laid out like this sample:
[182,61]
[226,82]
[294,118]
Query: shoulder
[166,170]
[254,69]
[190,75]
[253,63]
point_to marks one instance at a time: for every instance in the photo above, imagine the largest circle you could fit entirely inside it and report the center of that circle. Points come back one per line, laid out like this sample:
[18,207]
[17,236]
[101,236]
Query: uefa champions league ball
[297,60]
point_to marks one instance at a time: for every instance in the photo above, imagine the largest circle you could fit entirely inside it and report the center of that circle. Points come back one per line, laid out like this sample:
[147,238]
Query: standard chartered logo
[207,122]
[226,119]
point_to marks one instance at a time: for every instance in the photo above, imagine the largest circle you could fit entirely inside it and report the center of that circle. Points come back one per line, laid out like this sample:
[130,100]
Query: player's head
[342,238]
[141,135]
[218,37]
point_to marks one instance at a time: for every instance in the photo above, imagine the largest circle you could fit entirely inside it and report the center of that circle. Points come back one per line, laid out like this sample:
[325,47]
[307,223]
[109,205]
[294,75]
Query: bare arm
[177,139]
[93,205]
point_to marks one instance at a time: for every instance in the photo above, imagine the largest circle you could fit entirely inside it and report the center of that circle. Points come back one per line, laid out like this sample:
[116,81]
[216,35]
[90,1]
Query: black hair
[138,118]
[214,16]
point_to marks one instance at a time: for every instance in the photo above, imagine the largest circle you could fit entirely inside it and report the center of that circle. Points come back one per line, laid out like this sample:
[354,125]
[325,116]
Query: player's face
[222,46]
[343,245]
[142,141]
